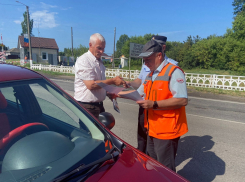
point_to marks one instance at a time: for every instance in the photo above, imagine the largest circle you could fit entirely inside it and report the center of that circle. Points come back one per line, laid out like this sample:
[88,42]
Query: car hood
[135,166]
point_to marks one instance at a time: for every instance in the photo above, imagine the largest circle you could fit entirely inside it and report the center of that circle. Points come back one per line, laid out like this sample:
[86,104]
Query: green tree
[123,38]
[76,51]
[238,6]
[173,50]
[238,26]
[135,39]
[196,39]
[24,25]
[4,47]
[61,53]
[80,50]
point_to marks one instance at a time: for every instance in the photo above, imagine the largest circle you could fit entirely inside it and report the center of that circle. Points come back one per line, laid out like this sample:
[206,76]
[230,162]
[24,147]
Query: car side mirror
[107,119]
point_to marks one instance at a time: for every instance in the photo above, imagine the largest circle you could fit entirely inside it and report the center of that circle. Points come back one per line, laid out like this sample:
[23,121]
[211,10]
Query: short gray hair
[96,36]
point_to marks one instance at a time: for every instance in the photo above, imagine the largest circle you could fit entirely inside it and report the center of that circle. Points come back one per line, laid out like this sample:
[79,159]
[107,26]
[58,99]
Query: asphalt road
[212,150]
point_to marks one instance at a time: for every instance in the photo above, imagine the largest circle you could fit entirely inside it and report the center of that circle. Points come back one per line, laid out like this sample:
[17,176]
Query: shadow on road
[203,164]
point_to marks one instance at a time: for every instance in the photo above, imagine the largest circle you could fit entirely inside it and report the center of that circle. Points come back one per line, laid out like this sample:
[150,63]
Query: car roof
[11,73]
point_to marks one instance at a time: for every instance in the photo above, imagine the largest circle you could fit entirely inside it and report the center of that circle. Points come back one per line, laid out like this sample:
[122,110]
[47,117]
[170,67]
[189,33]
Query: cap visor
[145,54]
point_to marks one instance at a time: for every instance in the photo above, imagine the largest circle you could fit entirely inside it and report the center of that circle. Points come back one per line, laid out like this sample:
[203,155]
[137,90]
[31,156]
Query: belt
[92,103]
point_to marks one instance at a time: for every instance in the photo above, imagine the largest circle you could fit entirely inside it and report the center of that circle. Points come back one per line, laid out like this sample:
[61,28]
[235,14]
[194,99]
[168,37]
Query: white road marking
[191,114]
[200,98]
[215,119]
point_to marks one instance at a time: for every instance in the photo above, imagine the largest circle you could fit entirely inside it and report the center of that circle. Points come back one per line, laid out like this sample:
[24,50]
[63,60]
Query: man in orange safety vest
[165,100]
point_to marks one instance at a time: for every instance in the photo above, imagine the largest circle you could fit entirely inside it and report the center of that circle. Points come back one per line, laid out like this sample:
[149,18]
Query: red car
[47,136]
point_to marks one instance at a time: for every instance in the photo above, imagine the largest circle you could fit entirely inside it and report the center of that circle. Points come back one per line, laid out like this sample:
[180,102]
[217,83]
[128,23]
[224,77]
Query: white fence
[226,82]
[54,68]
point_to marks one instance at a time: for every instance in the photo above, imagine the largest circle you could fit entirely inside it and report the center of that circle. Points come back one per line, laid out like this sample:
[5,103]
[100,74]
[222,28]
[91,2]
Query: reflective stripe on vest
[166,76]
[148,77]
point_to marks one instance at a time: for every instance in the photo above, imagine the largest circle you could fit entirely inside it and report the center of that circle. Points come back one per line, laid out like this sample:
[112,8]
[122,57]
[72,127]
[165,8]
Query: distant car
[47,136]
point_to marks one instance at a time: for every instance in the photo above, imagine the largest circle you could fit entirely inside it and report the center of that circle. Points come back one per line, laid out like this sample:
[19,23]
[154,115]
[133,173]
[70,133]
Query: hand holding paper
[133,95]
[110,89]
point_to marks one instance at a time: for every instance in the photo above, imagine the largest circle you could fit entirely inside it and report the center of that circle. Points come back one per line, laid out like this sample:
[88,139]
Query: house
[44,50]
[105,56]
[13,53]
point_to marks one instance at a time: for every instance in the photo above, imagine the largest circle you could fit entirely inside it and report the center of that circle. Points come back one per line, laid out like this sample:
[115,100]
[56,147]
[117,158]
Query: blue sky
[175,19]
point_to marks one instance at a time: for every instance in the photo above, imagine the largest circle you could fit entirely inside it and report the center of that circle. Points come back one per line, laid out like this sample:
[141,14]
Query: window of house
[44,55]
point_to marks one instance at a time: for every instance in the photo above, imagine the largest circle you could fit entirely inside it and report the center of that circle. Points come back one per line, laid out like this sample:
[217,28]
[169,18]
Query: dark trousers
[142,136]
[164,151]
[94,108]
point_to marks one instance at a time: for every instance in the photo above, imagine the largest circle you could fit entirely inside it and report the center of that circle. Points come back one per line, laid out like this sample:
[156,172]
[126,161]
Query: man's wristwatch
[155,105]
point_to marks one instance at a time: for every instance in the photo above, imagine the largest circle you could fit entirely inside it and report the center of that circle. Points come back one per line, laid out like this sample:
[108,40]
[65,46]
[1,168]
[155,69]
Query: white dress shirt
[88,67]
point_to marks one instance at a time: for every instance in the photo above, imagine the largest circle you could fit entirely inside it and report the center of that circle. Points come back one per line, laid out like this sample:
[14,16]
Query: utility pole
[113,63]
[72,42]
[2,47]
[39,44]
[28,28]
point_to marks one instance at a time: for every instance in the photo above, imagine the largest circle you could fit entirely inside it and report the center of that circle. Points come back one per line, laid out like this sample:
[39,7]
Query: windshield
[43,130]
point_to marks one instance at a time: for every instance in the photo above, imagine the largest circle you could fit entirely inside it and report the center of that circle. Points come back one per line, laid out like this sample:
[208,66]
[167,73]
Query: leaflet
[132,95]
[110,89]
[115,90]
[115,105]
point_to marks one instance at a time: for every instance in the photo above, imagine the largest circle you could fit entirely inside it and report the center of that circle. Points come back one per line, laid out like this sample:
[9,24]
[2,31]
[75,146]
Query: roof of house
[104,55]
[14,50]
[39,42]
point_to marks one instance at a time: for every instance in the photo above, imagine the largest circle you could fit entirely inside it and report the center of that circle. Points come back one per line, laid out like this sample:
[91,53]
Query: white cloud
[66,8]
[44,19]
[169,33]
[17,21]
[47,6]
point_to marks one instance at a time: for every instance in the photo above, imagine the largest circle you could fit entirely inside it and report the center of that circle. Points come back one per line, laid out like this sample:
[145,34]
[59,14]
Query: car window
[43,130]
[52,107]
[8,93]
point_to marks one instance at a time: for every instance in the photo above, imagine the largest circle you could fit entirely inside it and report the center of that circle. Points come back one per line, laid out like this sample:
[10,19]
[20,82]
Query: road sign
[135,50]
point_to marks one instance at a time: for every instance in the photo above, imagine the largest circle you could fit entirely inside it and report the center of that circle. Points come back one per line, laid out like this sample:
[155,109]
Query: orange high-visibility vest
[163,124]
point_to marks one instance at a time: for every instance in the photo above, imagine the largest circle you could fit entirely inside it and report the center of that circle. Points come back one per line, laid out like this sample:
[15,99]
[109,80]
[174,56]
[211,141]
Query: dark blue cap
[159,39]
[149,48]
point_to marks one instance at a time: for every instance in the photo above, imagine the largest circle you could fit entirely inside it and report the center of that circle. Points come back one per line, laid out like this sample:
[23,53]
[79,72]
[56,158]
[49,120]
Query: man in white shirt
[90,70]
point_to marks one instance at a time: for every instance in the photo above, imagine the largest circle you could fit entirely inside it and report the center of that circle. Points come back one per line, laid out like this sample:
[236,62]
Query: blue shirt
[143,73]
[177,82]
